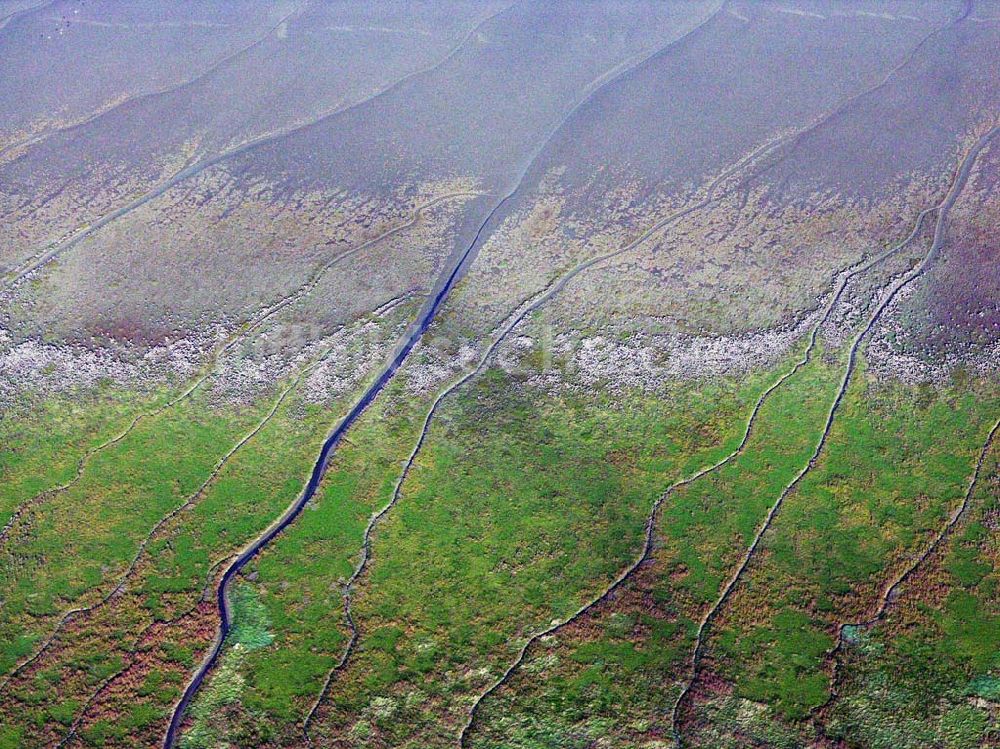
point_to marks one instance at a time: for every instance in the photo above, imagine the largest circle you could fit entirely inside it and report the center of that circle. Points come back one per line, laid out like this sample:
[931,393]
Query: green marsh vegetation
[615,674]
[300,579]
[512,515]
[928,673]
[136,648]
[45,438]
[518,510]
[69,543]
[897,463]
[847,526]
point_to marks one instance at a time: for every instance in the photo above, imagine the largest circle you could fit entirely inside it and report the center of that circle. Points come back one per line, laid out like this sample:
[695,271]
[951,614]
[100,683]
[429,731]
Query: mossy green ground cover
[43,440]
[299,580]
[254,487]
[614,676]
[251,631]
[897,463]
[519,509]
[69,545]
[892,450]
[500,532]
[513,515]
[124,492]
[927,674]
